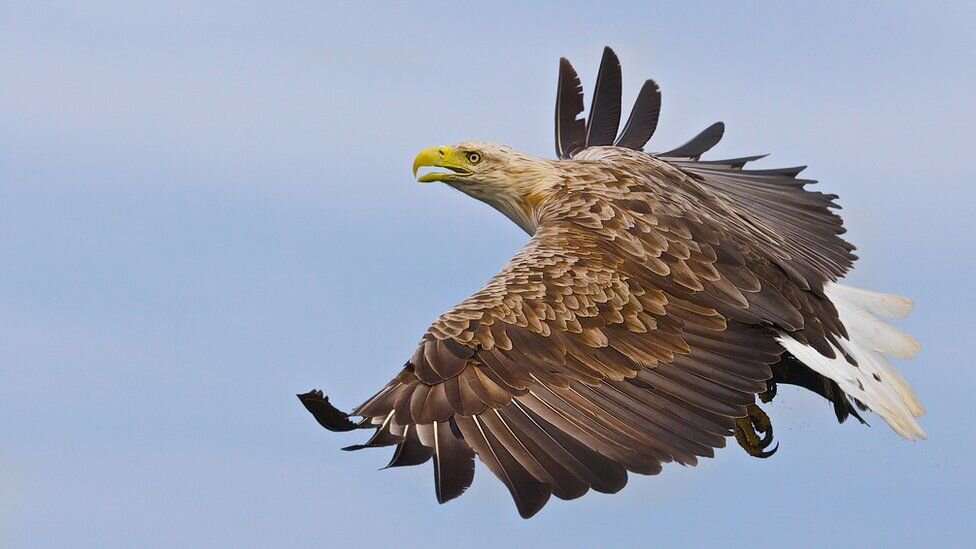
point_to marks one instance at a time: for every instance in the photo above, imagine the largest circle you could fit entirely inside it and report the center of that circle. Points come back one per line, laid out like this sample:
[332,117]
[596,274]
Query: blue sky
[207,209]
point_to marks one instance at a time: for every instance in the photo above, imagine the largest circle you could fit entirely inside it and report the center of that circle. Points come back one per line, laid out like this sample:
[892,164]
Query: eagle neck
[519,197]
[520,210]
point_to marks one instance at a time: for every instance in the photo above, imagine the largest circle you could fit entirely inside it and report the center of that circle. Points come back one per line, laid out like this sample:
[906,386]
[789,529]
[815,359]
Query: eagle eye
[473,157]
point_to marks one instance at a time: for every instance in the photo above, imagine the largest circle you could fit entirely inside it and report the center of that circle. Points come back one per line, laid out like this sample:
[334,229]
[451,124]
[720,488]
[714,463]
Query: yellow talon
[748,429]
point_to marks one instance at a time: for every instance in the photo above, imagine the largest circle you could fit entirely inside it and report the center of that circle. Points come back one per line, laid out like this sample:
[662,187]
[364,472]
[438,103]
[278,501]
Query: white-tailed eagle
[659,294]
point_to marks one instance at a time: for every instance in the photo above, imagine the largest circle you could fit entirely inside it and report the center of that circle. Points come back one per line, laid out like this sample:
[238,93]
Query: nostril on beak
[440,151]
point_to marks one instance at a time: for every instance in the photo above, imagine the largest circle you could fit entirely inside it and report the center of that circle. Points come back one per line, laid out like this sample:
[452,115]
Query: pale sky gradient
[207,209]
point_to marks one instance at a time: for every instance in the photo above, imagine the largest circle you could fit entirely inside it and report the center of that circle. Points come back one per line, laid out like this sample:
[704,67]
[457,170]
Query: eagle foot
[748,430]
[769,394]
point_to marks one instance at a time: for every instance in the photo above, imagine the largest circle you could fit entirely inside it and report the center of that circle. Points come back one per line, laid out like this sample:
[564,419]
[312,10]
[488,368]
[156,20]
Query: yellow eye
[473,157]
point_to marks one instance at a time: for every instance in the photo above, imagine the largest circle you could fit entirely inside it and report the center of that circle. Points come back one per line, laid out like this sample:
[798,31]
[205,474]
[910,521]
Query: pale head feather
[512,182]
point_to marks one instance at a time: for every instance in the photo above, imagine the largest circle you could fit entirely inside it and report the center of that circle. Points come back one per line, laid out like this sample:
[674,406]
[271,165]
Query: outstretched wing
[802,233]
[597,350]
[574,135]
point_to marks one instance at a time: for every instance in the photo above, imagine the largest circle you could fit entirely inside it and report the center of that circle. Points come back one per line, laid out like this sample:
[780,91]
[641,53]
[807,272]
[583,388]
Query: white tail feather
[874,381]
[886,305]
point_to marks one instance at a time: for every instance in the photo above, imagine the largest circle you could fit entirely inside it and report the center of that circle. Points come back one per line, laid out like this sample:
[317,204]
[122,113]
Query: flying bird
[658,296]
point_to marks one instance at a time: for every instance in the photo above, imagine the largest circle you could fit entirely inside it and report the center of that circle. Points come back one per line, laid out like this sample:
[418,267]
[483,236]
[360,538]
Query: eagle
[659,296]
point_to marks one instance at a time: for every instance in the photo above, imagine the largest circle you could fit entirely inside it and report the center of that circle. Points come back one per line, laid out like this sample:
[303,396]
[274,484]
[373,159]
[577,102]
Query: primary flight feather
[658,295]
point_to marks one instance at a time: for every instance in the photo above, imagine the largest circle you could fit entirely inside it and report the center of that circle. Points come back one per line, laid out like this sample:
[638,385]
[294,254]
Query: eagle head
[512,182]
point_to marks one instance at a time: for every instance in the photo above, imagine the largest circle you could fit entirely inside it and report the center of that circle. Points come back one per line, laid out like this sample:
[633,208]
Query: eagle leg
[325,413]
[748,430]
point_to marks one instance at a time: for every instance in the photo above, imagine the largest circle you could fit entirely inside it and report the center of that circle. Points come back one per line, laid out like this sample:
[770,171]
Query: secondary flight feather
[658,296]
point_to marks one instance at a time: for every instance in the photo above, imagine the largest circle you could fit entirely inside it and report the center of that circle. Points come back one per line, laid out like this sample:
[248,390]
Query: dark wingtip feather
[537,497]
[570,129]
[411,451]
[737,163]
[643,118]
[529,493]
[453,463]
[325,413]
[699,144]
[382,437]
[354,447]
[604,117]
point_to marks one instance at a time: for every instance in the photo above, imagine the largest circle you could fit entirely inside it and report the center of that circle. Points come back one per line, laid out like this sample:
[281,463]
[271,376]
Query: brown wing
[585,357]
[807,248]
[775,242]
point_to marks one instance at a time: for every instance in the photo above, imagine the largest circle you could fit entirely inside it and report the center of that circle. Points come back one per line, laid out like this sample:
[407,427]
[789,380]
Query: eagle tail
[873,380]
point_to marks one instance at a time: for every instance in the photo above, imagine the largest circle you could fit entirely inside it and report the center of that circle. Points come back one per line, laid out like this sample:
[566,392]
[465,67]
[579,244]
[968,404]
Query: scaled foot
[755,432]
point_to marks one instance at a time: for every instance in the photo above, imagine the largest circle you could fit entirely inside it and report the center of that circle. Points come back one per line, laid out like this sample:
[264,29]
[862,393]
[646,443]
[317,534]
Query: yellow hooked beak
[440,157]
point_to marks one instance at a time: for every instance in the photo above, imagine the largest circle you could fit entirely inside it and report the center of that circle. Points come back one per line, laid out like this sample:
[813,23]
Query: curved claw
[764,453]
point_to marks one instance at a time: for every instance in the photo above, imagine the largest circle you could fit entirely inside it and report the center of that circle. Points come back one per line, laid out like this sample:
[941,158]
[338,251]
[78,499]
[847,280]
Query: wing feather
[604,118]
[530,493]
[410,451]
[593,468]
[570,128]
[698,145]
[643,118]
[453,462]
